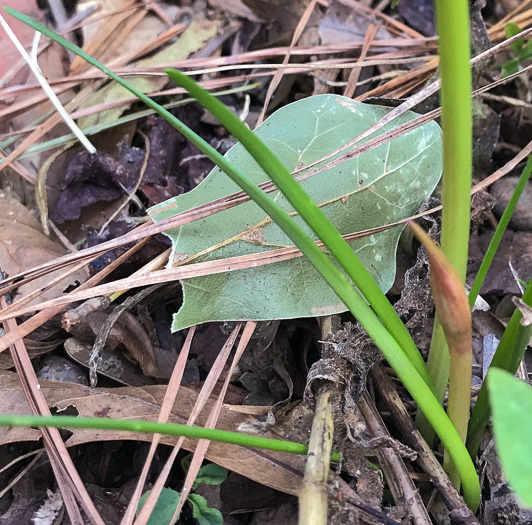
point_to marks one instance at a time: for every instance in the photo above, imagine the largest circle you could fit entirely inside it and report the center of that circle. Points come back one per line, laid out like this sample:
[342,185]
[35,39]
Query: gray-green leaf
[511,405]
[384,185]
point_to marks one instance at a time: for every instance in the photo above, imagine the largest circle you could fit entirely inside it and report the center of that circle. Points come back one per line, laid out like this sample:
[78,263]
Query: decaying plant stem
[313,503]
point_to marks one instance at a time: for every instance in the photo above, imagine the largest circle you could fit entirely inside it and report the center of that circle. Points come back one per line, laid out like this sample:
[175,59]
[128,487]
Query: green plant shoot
[452,20]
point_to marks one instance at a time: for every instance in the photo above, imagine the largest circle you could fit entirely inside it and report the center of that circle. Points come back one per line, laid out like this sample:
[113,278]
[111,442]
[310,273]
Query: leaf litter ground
[274,369]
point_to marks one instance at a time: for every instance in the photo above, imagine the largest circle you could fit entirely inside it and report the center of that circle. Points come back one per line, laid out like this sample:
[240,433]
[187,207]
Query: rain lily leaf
[384,185]
[511,404]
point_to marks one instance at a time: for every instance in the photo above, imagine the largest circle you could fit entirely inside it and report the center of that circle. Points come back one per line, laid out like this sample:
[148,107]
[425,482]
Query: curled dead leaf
[23,245]
[525,310]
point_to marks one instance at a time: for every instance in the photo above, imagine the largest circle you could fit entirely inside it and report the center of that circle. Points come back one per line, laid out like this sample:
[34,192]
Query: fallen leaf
[194,38]
[23,246]
[382,186]
[343,24]
[90,178]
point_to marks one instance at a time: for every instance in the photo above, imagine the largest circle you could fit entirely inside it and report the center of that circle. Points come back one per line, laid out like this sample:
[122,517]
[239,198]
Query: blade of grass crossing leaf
[153,427]
[404,368]
[499,232]
[330,273]
[311,214]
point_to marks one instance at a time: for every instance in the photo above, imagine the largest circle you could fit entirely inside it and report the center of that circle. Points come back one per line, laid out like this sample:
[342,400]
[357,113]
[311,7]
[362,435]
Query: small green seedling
[210,474]
[521,49]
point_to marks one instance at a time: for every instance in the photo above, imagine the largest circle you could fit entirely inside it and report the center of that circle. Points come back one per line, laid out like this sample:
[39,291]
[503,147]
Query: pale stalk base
[313,503]
[459,405]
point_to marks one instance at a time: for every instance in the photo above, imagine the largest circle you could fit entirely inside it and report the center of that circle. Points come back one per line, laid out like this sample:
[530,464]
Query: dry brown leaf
[23,245]
[344,24]
[283,16]
[237,8]
[34,348]
[277,470]
[113,365]
[12,210]
[126,333]
[193,39]
[144,31]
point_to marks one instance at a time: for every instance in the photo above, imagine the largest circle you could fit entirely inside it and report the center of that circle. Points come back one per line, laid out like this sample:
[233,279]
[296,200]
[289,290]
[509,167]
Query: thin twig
[34,66]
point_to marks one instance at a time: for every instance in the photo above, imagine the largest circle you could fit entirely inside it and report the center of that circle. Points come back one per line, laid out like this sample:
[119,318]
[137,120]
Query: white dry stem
[34,66]
[516,277]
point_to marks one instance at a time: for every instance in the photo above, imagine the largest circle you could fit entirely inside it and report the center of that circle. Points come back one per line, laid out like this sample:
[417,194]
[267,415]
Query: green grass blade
[499,232]
[335,278]
[311,213]
[405,370]
[151,427]
[509,354]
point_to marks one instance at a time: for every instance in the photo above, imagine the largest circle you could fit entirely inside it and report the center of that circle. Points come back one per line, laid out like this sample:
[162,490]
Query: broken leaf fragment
[193,39]
[382,186]
[23,245]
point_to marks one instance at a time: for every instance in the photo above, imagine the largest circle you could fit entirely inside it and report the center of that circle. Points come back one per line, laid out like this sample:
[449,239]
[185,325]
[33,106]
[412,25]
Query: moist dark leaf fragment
[91,178]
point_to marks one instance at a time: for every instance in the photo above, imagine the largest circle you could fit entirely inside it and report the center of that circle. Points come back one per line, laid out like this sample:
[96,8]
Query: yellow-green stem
[453,28]
[452,19]
[459,402]
[438,366]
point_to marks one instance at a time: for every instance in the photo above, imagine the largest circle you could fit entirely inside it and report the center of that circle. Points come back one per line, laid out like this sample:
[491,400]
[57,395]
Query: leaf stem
[459,401]
[452,19]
